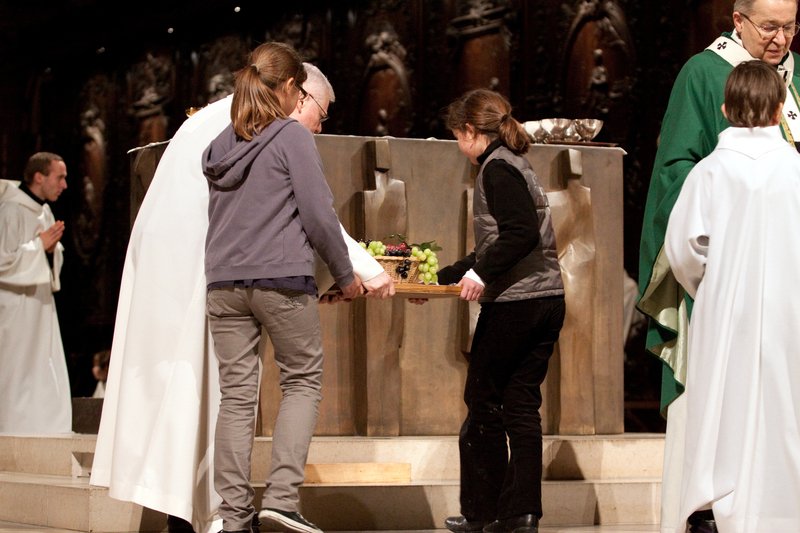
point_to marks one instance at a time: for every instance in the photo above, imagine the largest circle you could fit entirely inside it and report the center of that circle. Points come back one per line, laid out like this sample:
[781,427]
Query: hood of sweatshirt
[227,159]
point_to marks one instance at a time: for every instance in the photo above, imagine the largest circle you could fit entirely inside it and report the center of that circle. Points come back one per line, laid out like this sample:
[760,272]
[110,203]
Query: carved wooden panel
[482,48]
[151,86]
[597,68]
[92,172]
[386,94]
[220,60]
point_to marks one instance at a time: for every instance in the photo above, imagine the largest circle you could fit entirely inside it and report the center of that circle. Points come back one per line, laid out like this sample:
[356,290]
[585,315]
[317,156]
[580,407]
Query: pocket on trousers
[218,303]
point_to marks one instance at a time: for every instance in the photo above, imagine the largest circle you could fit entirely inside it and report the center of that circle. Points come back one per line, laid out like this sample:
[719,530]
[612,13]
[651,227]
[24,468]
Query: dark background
[91,79]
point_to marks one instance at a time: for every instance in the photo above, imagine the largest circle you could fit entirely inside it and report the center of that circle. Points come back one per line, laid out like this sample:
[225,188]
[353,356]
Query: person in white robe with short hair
[35,395]
[733,245]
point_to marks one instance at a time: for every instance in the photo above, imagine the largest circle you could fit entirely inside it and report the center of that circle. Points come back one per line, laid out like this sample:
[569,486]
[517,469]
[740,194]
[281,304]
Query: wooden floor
[6,527]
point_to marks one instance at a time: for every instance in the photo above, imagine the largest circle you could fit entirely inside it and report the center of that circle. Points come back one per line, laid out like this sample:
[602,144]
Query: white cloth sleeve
[470,274]
[364,265]
[687,236]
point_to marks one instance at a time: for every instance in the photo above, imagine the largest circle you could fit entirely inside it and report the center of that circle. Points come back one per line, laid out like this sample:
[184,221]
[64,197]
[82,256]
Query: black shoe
[288,521]
[526,523]
[702,522]
[178,525]
[460,524]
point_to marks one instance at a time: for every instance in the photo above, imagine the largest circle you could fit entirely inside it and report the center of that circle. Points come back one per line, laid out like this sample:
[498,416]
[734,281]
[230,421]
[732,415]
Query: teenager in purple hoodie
[270,208]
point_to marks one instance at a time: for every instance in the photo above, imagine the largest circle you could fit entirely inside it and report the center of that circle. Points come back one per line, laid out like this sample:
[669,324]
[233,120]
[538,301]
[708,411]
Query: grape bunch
[373,247]
[403,268]
[428,263]
[397,250]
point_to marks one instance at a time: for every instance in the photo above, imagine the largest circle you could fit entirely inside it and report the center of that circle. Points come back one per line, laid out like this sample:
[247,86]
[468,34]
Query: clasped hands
[52,235]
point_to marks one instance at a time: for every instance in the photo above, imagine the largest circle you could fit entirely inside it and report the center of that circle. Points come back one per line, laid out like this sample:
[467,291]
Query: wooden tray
[418,290]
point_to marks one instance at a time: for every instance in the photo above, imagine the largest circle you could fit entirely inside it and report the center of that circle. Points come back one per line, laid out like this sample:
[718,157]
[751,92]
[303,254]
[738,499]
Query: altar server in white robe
[156,436]
[34,384]
[733,244]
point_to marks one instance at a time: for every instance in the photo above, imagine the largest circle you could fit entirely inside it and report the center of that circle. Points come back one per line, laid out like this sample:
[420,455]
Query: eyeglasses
[323,115]
[769,31]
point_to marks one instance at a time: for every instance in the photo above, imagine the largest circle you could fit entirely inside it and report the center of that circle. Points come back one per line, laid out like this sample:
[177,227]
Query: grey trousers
[291,319]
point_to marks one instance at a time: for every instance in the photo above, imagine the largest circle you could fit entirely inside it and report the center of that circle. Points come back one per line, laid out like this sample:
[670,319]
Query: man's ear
[724,114]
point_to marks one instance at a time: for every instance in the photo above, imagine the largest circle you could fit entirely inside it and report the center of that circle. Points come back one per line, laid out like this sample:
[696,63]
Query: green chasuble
[689,131]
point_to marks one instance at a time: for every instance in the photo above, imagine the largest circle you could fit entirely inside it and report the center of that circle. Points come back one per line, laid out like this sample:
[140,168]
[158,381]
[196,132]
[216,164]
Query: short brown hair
[489,113]
[255,104]
[753,91]
[39,162]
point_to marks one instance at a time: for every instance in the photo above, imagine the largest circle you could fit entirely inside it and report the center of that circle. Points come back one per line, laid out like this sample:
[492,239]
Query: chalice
[555,128]
[588,128]
[571,134]
[534,130]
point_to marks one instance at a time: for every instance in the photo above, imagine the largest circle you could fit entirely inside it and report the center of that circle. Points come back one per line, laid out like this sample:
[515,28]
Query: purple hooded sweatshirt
[270,207]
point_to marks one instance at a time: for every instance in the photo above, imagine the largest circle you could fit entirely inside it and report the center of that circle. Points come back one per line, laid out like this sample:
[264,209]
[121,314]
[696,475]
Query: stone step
[607,457]
[71,503]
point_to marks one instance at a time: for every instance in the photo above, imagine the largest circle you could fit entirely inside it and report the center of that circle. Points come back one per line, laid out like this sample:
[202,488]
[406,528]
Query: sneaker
[288,521]
[255,526]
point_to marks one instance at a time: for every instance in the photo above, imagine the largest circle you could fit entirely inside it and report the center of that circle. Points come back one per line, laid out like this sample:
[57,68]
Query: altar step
[608,480]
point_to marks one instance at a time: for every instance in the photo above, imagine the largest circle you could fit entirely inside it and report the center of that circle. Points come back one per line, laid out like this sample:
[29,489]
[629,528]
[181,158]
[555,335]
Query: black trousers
[511,348]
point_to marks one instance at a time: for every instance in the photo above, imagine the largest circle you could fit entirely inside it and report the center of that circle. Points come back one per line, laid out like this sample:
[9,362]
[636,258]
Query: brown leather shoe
[460,524]
[526,523]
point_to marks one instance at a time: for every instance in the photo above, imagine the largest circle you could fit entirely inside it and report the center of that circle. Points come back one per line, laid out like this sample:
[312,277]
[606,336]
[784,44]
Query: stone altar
[398,369]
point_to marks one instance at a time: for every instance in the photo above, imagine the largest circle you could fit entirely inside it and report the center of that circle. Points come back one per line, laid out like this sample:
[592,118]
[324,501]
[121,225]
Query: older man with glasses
[763,30]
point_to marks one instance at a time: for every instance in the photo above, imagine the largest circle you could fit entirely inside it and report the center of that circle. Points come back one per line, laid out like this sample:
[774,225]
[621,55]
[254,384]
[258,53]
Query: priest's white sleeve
[22,257]
[687,236]
[364,265]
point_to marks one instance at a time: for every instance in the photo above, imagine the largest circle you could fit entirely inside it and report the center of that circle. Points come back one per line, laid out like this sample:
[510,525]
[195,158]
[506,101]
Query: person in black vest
[515,275]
